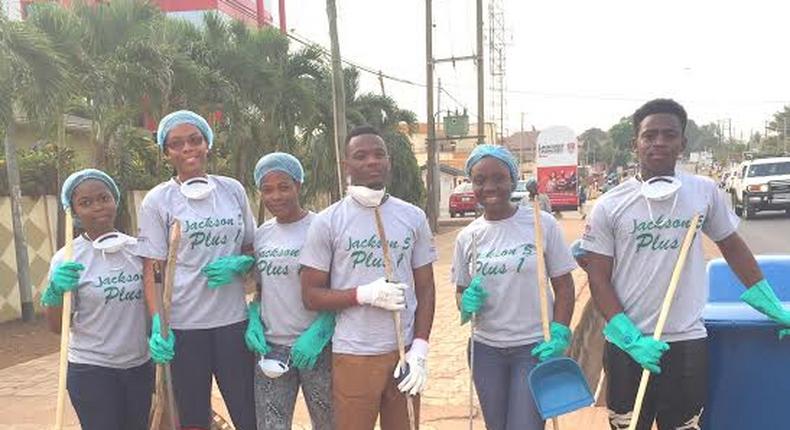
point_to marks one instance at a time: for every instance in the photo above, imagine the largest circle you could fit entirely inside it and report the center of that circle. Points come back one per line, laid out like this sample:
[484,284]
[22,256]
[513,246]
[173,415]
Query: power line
[307,42]
[599,97]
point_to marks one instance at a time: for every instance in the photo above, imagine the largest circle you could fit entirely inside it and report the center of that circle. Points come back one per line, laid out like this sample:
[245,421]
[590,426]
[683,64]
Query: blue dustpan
[558,387]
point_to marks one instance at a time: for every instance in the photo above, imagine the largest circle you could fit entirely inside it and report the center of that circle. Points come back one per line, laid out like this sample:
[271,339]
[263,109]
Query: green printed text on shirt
[366,252]
[210,232]
[116,287]
[648,236]
[271,267]
[497,259]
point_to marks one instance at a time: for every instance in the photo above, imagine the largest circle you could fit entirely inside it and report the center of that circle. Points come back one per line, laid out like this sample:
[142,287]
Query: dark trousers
[675,398]
[222,353]
[107,398]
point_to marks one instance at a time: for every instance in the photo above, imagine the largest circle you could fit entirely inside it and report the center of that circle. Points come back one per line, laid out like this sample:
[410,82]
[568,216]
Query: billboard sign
[557,159]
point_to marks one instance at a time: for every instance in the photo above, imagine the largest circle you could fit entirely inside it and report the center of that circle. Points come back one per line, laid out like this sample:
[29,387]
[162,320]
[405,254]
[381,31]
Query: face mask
[197,188]
[365,196]
[273,367]
[659,189]
[112,242]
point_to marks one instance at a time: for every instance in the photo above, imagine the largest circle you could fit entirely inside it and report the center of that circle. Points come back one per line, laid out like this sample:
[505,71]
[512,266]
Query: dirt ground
[24,341]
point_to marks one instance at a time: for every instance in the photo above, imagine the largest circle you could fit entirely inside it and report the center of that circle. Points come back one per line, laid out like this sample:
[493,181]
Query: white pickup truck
[761,185]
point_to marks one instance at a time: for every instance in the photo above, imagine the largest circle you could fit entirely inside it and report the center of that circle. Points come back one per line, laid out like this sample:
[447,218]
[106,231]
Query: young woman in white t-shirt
[208,315]
[110,375]
[295,348]
[500,290]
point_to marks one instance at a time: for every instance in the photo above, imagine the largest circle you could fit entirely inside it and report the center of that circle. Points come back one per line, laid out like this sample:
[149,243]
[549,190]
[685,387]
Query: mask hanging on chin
[365,196]
[112,242]
[659,189]
[197,188]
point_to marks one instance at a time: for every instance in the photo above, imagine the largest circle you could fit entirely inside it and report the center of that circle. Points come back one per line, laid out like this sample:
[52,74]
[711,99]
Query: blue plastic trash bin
[749,371]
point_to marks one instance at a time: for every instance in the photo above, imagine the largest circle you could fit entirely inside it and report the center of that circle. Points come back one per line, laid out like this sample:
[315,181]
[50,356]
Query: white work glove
[382,294]
[416,378]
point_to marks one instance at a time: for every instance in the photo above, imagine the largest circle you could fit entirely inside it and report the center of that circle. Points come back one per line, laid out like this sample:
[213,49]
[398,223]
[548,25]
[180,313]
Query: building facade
[253,12]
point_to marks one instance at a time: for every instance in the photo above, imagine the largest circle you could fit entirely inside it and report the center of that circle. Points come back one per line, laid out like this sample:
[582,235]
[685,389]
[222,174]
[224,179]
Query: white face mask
[272,367]
[112,242]
[659,189]
[365,196]
[197,188]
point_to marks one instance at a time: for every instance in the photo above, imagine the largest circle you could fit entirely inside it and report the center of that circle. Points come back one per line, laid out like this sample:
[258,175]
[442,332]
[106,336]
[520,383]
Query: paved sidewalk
[28,390]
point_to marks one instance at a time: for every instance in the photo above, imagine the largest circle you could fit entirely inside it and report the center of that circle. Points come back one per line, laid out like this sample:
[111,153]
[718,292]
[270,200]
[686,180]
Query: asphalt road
[767,233]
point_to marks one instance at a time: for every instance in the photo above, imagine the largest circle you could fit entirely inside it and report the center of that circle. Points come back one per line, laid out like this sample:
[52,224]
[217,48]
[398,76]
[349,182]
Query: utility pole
[381,83]
[481,121]
[433,168]
[338,93]
[20,242]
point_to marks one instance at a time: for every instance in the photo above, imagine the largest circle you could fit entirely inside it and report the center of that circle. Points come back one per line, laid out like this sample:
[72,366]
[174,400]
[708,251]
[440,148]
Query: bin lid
[735,313]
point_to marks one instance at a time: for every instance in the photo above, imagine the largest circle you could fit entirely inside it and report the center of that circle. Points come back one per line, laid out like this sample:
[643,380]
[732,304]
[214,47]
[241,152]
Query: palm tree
[379,111]
[33,77]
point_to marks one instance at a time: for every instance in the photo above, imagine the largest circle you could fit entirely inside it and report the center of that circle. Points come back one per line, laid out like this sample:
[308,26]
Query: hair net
[496,151]
[76,178]
[576,249]
[179,117]
[278,162]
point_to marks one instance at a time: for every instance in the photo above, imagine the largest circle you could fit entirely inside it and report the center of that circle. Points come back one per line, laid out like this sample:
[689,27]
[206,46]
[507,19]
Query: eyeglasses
[194,140]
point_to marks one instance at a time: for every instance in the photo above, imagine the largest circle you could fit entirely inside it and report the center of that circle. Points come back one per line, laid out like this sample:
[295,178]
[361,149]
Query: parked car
[462,200]
[762,184]
[519,193]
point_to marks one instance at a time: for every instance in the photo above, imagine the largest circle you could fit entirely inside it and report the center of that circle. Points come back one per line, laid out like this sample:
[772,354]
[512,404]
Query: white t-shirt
[343,241]
[214,227]
[507,260]
[109,321]
[277,248]
[645,251]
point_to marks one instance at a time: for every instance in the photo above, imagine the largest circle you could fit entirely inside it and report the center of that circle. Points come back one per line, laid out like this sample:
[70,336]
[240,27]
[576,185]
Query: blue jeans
[106,398]
[501,376]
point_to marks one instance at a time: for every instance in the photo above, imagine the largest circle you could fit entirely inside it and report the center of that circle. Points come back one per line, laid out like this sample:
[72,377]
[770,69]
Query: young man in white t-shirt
[633,236]
[343,271]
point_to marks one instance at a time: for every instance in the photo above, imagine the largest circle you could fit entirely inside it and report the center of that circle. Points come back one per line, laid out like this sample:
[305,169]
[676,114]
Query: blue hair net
[179,117]
[278,162]
[496,151]
[76,178]
[576,249]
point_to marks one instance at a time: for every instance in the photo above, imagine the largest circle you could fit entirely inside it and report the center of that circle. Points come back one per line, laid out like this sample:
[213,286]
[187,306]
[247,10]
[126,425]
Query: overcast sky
[577,63]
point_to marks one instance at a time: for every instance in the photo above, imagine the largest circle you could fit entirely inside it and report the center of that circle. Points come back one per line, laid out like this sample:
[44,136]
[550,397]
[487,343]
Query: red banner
[560,184]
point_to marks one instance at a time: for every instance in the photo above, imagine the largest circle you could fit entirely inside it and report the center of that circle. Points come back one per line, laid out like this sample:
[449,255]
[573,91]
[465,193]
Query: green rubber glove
[762,297]
[162,350]
[311,342]
[472,299]
[254,335]
[65,277]
[643,349]
[222,270]
[557,344]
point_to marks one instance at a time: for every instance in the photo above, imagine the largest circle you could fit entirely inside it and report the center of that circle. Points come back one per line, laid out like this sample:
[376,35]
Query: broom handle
[65,328]
[541,270]
[662,317]
[164,315]
[388,273]
[472,323]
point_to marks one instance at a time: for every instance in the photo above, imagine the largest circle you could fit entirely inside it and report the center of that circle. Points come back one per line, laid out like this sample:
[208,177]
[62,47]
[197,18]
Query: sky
[576,63]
